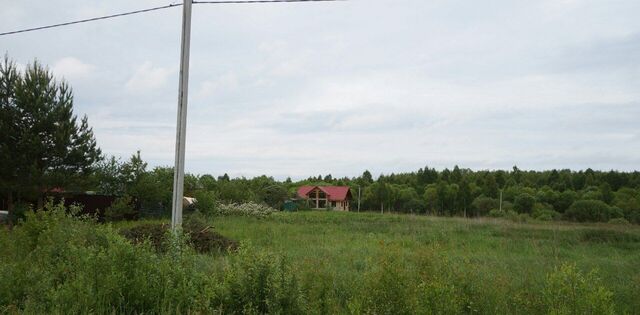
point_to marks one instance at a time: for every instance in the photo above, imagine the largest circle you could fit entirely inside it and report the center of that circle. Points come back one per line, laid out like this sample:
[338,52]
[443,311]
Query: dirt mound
[202,237]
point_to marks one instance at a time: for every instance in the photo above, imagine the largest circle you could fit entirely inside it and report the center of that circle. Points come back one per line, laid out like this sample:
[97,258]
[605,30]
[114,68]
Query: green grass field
[507,261]
[322,263]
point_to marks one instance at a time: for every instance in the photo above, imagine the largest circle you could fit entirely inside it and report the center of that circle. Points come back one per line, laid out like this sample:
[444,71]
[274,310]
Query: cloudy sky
[385,85]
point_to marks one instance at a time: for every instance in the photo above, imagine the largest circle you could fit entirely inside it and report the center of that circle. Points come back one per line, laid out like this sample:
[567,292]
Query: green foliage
[524,203]
[326,263]
[257,282]
[206,202]
[482,205]
[568,291]
[460,192]
[543,214]
[53,263]
[619,221]
[274,195]
[388,287]
[564,200]
[592,211]
[42,143]
[122,208]
[249,209]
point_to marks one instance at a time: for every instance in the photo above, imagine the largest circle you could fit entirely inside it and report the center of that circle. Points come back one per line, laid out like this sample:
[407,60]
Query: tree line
[43,146]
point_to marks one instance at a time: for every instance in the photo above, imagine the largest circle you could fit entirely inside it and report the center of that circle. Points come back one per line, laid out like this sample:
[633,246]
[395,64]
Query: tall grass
[322,263]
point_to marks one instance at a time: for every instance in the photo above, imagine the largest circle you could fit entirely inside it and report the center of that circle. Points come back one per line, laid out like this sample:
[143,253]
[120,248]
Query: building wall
[318,200]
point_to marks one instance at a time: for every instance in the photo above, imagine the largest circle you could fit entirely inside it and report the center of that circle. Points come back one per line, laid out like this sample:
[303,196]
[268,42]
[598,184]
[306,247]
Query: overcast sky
[385,85]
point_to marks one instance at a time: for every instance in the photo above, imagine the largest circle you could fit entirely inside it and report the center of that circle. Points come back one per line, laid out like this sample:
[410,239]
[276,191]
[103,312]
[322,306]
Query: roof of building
[335,193]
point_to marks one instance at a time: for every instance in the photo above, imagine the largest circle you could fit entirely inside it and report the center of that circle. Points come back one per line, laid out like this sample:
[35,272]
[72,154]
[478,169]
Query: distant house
[323,197]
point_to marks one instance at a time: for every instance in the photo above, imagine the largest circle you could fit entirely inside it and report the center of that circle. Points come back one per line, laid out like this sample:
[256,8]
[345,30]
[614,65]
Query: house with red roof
[323,197]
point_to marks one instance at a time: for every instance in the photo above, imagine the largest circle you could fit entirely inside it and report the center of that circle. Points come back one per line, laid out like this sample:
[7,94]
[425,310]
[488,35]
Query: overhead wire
[91,19]
[154,9]
[259,1]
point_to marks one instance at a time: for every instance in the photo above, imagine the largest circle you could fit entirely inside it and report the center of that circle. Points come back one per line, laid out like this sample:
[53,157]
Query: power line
[155,9]
[91,19]
[259,1]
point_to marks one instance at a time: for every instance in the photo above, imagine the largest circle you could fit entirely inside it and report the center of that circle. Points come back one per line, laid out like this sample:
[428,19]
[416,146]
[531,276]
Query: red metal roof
[335,193]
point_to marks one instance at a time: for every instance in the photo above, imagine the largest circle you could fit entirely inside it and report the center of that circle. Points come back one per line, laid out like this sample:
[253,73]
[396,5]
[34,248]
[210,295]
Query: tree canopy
[42,143]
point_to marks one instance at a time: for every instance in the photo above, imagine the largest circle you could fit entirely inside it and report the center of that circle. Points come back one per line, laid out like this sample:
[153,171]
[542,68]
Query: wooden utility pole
[181,128]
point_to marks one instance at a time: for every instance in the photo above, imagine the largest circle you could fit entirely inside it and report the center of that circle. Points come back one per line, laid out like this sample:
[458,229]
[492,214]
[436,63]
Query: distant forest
[596,196]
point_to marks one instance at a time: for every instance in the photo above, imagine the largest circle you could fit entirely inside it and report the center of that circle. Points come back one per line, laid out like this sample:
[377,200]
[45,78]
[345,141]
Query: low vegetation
[319,263]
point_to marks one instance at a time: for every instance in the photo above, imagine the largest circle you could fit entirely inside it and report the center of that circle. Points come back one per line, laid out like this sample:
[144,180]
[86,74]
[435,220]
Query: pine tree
[42,144]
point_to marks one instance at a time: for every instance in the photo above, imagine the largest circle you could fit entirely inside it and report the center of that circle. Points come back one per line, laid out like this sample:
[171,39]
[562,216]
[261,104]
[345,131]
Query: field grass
[323,263]
[505,258]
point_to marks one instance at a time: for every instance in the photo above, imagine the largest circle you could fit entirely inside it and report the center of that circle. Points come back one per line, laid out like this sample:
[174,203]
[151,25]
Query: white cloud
[302,90]
[72,68]
[147,78]
[226,83]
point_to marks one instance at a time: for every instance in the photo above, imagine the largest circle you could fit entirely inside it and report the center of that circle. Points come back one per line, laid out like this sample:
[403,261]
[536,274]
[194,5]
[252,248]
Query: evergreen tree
[43,146]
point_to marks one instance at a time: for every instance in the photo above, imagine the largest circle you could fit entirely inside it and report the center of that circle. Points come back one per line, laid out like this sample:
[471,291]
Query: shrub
[592,211]
[619,221]
[633,216]
[206,202]
[53,263]
[524,203]
[388,287]
[257,282]
[568,291]
[120,209]
[443,288]
[495,213]
[512,216]
[546,215]
[249,209]
[482,205]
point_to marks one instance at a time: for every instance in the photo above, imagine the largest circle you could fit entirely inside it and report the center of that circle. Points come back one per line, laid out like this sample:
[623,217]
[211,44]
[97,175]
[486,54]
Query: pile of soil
[200,236]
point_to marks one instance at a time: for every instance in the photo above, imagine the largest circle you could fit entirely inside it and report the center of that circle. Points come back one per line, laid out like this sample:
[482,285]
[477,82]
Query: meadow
[508,263]
[321,262]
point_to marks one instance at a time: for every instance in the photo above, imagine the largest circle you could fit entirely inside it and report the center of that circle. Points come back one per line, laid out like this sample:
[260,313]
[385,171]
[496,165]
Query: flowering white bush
[249,209]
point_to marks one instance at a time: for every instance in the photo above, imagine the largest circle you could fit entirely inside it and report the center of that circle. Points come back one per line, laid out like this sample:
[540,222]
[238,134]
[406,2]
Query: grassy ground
[507,257]
[323,263]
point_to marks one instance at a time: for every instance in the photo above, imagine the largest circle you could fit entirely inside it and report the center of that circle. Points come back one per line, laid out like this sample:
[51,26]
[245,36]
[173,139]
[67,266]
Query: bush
[592,211]
[206,202]
[482,205]
[546,215]
[257,282]
[568,291]
[495,213]
[512,215]
[633,216]
[18,213]
[388,288]
[524,203]
[619,221]
[53,263]
[120,209]
[249,209]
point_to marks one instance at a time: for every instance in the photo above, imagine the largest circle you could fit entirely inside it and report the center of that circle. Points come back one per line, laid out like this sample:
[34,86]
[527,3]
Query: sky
[301,89]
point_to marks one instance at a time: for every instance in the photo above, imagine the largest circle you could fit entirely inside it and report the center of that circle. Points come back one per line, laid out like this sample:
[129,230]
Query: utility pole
[500,200]
[181,127]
